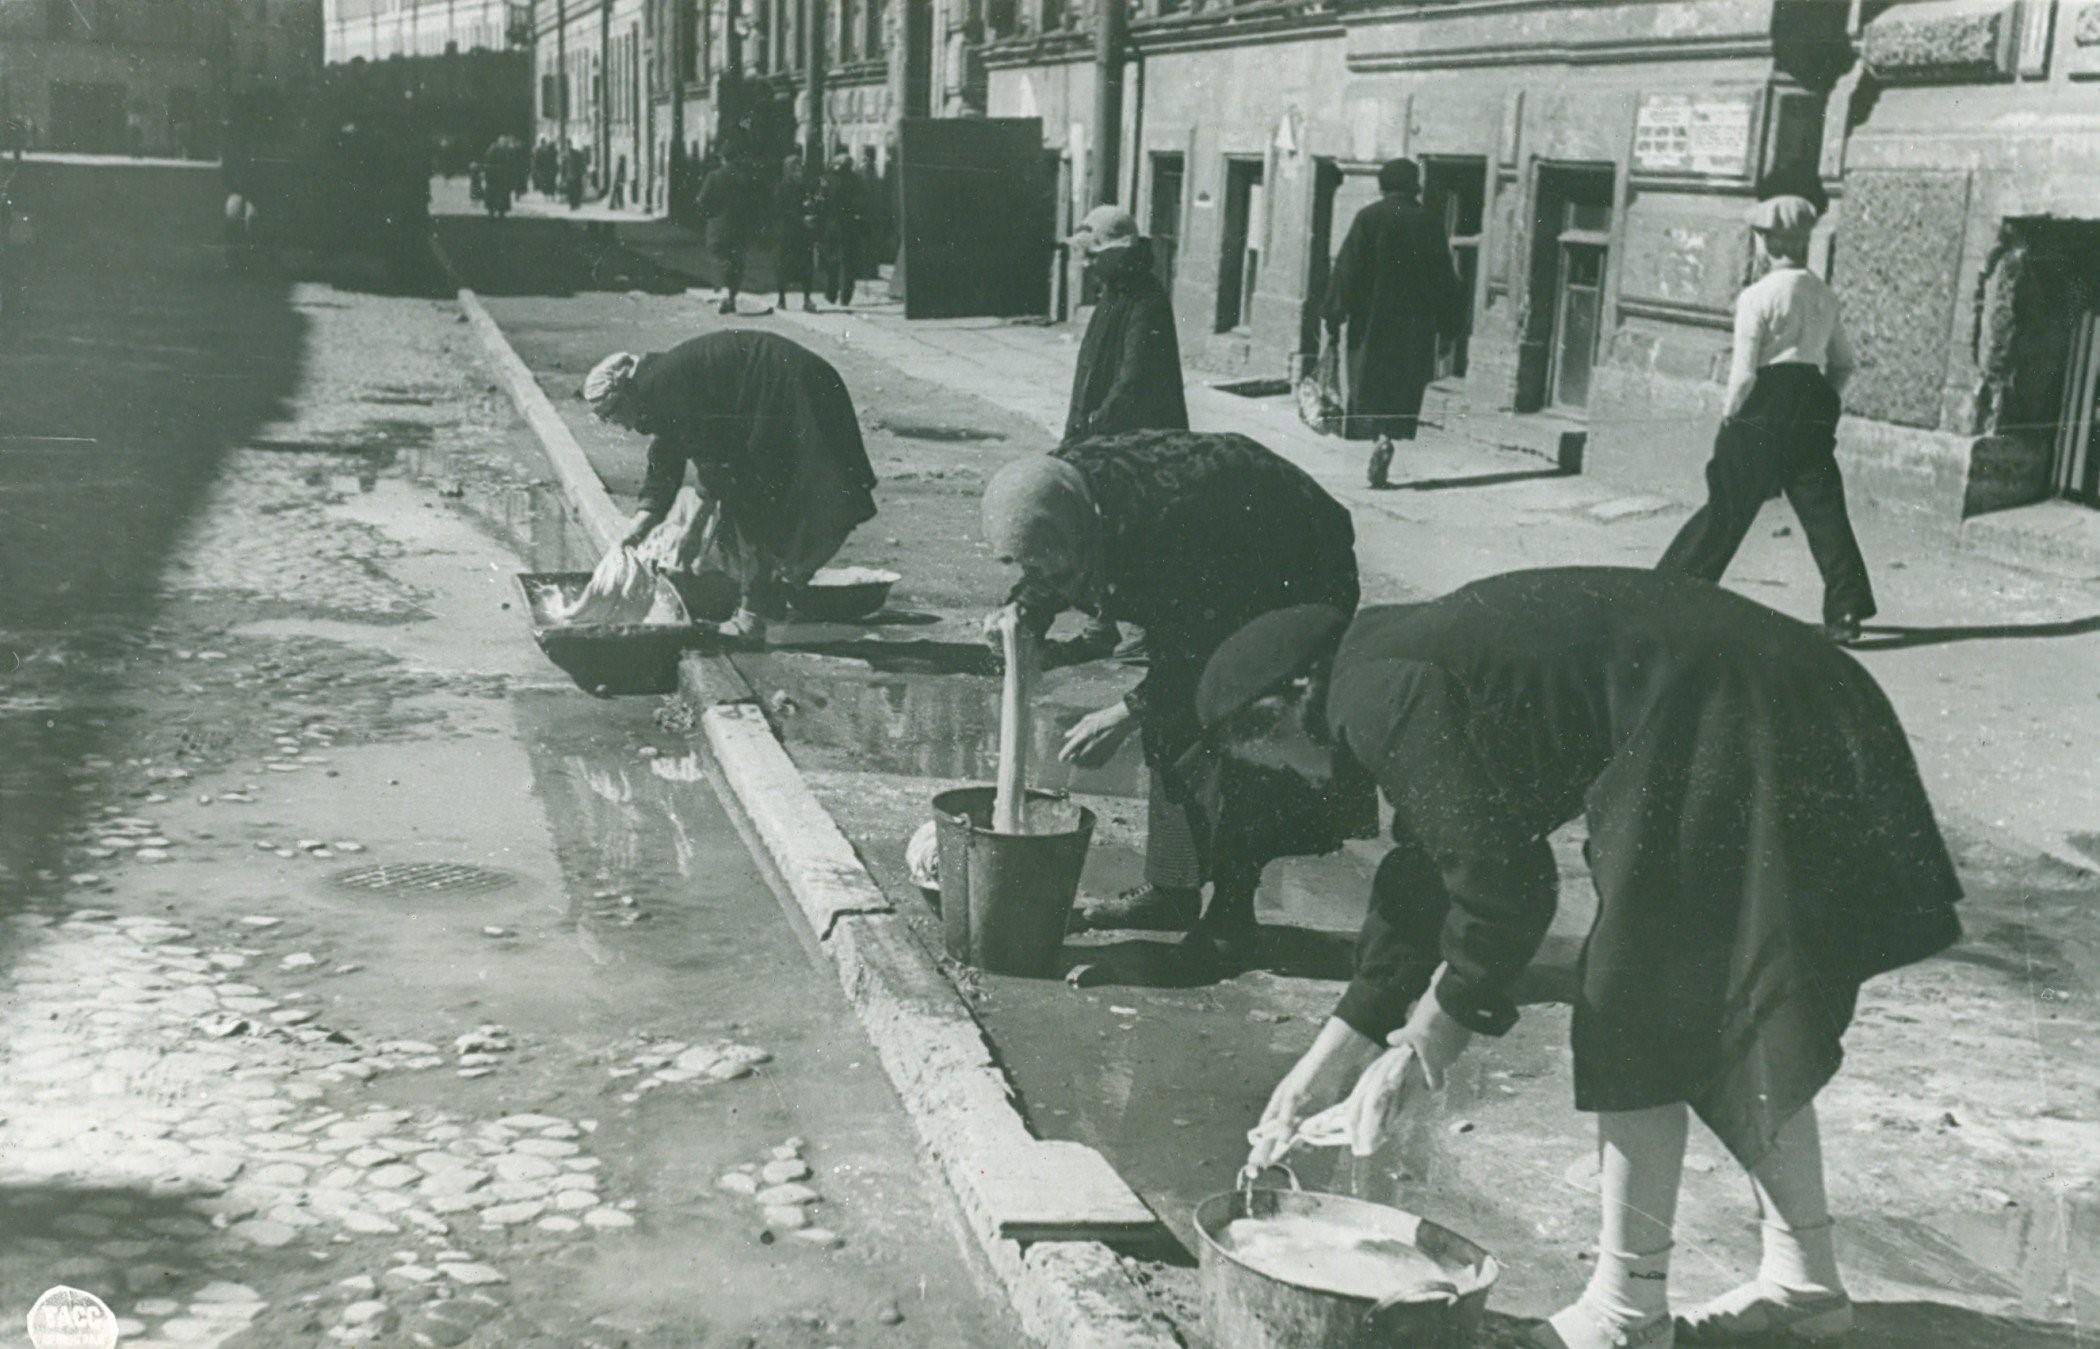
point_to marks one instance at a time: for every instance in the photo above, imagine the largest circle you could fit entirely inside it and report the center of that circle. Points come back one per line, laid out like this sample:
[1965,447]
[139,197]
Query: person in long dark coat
[732,205]
[1394,289]
[841,222]
[1779,424]
[1129,372]
[770,433]
[792,239]
[1760,845]
[1188,536]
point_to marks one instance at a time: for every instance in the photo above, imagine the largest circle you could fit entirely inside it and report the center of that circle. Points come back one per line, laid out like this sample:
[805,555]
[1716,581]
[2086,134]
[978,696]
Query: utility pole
[561,62]
[1111,25]
[674,162]
[815,20]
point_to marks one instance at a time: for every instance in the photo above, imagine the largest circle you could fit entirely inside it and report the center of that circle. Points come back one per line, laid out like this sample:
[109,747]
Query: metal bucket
[1246,1309]
[1006,899]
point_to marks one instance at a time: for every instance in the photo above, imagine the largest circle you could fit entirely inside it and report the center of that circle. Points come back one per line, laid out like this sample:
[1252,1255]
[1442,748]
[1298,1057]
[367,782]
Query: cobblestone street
[363,981]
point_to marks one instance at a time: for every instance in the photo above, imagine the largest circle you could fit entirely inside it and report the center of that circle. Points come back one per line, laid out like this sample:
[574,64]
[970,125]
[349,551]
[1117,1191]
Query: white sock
[1799,1263]
[1627,1289]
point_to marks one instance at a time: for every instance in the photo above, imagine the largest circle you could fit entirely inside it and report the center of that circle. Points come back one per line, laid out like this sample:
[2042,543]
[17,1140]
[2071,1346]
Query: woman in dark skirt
[1188,536]
[770,432]
[1760,845]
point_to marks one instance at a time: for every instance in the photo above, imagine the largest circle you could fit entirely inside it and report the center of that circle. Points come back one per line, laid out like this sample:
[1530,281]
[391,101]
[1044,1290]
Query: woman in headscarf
[771,435]
[1188,536]
[1760,845]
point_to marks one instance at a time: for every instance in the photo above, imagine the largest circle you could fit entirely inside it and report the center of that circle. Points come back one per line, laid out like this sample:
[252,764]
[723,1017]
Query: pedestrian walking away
[546,167]
[1798,857]
[839,225]
[575,167]
[1779,424]
[730,204]
[1188,536]
[793,231]
[1396,296]
[1129,373]
[771,435]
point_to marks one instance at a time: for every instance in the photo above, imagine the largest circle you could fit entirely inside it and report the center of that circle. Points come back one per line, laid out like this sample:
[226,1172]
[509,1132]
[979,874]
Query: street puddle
[937,726]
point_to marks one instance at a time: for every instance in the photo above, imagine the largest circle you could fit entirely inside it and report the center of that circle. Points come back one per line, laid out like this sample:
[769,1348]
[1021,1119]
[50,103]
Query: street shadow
[125,383]
[912,656]
[1158,962]
[1475,480]
[1890,637]
[1903,1325]
[530,256]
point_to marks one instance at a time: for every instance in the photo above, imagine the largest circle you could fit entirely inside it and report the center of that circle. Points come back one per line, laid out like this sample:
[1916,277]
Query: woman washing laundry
[771,435]
[1779,424]
[1759,842]
[1188,536]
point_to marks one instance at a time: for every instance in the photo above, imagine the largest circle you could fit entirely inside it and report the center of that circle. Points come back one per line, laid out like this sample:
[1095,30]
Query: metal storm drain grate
[422,878]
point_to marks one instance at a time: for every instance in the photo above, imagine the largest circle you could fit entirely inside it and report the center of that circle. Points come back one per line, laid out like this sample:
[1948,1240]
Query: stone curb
[1069,1294]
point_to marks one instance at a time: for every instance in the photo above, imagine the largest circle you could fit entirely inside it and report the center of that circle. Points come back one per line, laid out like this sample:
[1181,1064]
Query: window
[1456,190]
[871,41]
[1163,215]
[1239,264]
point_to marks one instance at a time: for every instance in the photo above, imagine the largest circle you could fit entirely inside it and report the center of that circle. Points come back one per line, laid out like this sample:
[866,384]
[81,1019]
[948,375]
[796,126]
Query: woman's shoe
[1576,1327]
[1755,1314]
[1379,472]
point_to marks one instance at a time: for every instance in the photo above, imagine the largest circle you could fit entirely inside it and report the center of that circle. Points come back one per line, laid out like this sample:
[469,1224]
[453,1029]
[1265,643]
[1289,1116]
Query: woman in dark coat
[1760,845]
[770,432]
[1188,536]
[1129,372]
[1395,289]
[732,204]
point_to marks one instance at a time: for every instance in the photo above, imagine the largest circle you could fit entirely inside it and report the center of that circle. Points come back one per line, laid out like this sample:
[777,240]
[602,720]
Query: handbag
[1319,391]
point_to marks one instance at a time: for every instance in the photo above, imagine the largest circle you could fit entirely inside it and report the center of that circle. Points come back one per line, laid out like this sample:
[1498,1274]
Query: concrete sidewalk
[1994,669]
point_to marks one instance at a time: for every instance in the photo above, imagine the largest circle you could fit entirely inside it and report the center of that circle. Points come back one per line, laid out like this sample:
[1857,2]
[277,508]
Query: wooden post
[1010,802]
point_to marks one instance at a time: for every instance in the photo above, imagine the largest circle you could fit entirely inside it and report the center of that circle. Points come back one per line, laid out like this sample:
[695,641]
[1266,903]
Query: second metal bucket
[1006,898]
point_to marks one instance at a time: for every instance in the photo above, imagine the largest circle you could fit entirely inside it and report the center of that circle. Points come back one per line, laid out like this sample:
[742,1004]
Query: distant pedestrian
[1779,424]
[841,219]
[771,435]
[618,197]
[792,232]
[575,167]
[546,167]
[1129,373]
[1397,294]
[731,204]
[499,175]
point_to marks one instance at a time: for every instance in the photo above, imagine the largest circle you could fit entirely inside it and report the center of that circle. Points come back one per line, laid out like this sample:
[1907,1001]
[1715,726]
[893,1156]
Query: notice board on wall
[1707,135]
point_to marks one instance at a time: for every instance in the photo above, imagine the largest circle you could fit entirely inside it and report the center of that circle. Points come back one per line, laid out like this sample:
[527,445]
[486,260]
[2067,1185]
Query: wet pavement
[361,980]
[1964,1159]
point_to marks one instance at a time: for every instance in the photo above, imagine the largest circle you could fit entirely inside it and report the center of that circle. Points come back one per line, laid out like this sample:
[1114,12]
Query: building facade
[137,77]
[1592,162]
[374,30]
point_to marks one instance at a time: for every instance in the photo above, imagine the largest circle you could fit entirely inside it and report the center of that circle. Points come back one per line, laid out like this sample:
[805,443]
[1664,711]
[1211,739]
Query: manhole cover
[423,878]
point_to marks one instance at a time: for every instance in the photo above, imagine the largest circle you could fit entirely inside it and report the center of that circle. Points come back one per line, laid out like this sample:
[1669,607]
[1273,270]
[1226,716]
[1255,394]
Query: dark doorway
[1455,190]
[1163,217]
[977,216]
[1570,249]
[1239,260]
[2037,347]
[1320,248]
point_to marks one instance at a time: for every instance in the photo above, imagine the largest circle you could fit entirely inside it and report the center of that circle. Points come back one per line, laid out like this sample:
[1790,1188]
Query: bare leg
[1797,1291]
[1627,1302]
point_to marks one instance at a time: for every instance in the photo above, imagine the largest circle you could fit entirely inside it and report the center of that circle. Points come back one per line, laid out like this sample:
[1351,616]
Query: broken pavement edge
[1068,1293]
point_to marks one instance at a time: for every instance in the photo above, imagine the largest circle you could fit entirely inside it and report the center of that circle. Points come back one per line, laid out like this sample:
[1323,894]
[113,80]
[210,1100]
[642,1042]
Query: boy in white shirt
[1779,432]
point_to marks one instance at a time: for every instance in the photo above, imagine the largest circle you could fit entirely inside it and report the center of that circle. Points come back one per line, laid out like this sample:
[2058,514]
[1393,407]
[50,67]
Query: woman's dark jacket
[1757,833]
[1129,373]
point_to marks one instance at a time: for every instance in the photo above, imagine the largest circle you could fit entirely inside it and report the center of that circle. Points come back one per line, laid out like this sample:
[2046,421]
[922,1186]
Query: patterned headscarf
[608,380]
[1039,512]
